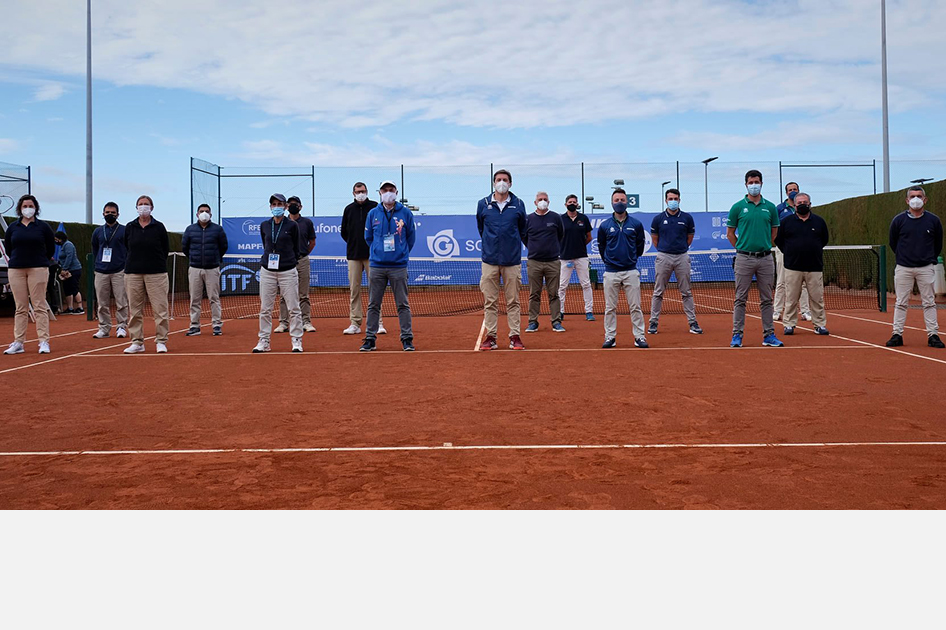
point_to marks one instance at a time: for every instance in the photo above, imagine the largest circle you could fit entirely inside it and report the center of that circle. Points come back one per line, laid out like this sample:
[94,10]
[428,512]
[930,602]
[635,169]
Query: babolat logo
[250,227]
[427,278]
[443,244]
[237,278]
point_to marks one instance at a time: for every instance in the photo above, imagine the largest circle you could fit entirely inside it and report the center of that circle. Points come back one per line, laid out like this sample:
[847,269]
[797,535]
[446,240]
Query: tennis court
[826,422]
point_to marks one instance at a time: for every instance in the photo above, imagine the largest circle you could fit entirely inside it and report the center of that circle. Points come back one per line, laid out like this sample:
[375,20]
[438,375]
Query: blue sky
[436,84]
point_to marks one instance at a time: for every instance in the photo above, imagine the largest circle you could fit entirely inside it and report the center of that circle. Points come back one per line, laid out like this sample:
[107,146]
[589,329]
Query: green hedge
[866,220]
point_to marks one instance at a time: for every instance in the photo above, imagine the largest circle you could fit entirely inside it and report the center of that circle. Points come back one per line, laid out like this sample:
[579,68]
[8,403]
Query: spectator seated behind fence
[70,273]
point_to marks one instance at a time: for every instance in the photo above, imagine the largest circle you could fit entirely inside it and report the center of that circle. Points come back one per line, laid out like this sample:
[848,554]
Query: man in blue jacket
[204,243]
[620,243]
[108,245]
[501,221]
[389,232]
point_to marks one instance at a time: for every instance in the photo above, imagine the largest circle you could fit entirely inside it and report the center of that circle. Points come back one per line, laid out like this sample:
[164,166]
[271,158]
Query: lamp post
[88,113]
[883,80]
[590,202]
[662,193]
[921,181]
[706,179]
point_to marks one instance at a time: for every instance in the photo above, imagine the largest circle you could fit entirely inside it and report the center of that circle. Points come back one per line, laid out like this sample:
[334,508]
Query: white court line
[482,447]
[75,332]
[479,339]
[875,321]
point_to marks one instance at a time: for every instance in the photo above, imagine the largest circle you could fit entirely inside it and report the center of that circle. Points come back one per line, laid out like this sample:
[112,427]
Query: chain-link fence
[14,183]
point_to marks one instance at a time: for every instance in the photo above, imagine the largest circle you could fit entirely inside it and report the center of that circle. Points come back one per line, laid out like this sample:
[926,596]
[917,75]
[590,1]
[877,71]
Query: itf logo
[443,244]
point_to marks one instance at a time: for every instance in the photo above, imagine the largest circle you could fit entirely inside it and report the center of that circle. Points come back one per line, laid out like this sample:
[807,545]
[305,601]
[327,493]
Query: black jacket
[147,247]
[204,245]
[802,242]
[353,229]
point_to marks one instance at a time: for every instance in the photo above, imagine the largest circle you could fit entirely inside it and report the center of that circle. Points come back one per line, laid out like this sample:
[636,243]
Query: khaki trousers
[489,285]
[108,286]
[29,284]
[198,280]
[780,286]
[155,287]
[814,282]
[303,269]
[287,283]
[355,270]
[904,277]
[630,282]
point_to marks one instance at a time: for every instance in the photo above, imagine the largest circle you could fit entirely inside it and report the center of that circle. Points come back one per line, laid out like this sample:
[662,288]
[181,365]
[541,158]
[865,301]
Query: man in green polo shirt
[751,228]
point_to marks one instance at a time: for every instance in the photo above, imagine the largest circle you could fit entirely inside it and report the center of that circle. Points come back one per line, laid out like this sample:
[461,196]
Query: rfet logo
[250,227]
[443,244]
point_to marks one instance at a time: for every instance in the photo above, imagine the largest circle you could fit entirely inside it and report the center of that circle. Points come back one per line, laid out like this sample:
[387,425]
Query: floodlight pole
[883,75]
[88,113]
[706,179]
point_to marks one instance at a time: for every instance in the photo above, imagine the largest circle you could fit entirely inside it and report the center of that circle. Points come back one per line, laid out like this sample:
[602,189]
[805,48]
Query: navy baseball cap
[278,197]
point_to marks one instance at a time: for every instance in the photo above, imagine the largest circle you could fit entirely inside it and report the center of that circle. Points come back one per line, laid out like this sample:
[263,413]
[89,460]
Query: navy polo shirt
[574,237]
[544,232]
[672,231]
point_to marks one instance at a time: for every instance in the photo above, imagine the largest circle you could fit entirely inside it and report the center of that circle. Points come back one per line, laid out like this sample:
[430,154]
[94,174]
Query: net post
[90,297]
[882,280]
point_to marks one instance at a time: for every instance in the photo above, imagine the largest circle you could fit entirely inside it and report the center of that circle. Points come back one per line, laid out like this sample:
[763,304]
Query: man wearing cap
[281,252]
[785,210]
[356,251]
[575,239]
[390,235]
[501,221]
[204,243]
[544,230]
[307,243]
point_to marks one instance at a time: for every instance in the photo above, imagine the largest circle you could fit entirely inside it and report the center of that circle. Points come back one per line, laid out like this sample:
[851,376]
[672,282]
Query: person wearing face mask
[29,244]
[70,274]
[390,234]
[786,209]
[204,244]
[108,246]
[916,237]
[621,243]
[751,226]
[306,245]
[672,234]
[146,241]
[501,221]
[575,239]
[356,251]
[544,231]
[802,236]
[278,271]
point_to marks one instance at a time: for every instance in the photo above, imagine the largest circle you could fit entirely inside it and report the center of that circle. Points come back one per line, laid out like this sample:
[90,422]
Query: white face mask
[203,217]
[542,205]
[361,197]
[28,212]
[144,211]
[916,203]
[754,189]
[502,187]
[388,197]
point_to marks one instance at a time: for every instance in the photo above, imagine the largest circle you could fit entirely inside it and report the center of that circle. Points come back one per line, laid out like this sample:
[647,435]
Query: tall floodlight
[706,179]
[88,112]
[883,79]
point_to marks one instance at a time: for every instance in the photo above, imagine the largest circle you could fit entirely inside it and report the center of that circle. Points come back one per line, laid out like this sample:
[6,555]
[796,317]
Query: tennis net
[450,286]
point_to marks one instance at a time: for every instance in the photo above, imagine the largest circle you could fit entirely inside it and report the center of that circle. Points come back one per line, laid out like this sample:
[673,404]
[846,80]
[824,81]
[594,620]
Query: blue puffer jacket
[204,246]
[381,222]
[503,231]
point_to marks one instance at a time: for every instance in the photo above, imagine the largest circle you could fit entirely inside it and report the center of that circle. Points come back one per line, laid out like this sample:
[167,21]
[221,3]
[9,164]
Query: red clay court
[826,422]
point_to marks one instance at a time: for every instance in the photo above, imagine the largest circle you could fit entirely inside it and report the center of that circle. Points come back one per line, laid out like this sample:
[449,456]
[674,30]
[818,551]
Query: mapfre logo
[443,244]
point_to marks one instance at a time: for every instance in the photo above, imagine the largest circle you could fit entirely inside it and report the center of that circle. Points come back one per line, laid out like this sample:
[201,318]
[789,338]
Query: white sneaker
[776,316]
[806,316]
[100,335]
[381,330]
[308,328]
[44,347]
[262,346]
[296,344]
[15,348]
[122,333]
[281,328]
[352,330]
[161,348]
[135,348]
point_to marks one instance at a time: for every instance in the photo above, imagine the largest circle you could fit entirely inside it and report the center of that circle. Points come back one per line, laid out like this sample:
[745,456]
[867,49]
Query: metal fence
[15,181]
[325,191]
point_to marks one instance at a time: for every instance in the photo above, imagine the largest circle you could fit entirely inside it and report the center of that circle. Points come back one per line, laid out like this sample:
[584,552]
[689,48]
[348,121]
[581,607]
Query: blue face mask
[278,212]
[791,195]
[754,189]
[673,204]
[620,208]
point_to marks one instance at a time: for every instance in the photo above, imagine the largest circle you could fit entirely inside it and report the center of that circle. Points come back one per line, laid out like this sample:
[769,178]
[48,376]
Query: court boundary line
[447,446]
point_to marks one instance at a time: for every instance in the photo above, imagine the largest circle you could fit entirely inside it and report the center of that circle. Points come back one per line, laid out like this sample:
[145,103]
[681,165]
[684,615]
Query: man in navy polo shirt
[672,233]
[544,232]
[575,239]
[621,242]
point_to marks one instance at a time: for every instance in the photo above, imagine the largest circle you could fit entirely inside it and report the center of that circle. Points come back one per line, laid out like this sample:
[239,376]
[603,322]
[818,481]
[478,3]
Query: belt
[754,254]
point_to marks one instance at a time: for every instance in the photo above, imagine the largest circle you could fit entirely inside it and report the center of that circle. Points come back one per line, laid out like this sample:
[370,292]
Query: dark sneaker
[736,341]
[895,341]
[532,327]
[79,311]
[652,329]
[193,330]
[821,330]
[408,345]
[589,317]
[489,343]
[772,341]
[67,311]
[556,327]
[367,346]
[217,331]
[515,343]
[788,330]
[610,343]
[695,328]
[933,341]
[640,342]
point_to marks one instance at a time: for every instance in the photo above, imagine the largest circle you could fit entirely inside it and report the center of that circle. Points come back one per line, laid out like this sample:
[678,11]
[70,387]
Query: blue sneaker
[821,330]
[772,341]
[609,343]
[736,341]
[532,327]
[695,328]
[556,327]
[589,317]
[789,330]
[640,342]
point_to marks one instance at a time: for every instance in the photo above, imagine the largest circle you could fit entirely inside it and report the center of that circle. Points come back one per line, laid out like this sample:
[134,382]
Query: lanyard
[389,218]
[275,233]
[108,241]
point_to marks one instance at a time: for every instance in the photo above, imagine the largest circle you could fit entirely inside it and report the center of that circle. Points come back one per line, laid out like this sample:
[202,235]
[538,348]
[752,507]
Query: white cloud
[48,91]
[508,65]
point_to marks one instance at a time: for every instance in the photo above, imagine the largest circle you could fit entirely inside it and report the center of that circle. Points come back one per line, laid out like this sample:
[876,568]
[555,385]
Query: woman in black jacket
[30,246]
[146,264]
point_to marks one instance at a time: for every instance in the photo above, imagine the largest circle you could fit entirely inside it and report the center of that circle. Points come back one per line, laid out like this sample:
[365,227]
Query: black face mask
[803,209]
[111,218]
[295,208]
[572,207]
